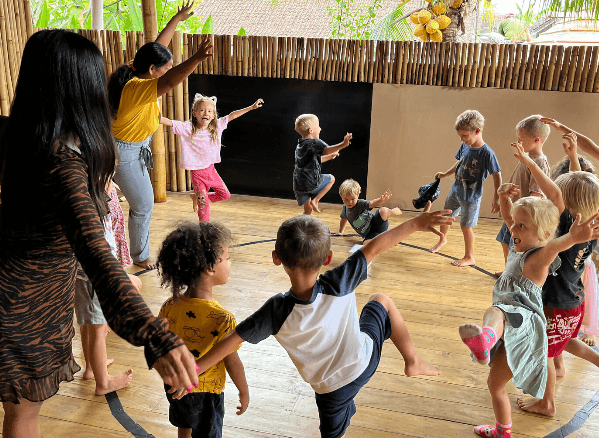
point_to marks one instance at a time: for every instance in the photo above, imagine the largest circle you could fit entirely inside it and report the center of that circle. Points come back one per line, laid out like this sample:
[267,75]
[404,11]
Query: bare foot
[115,383]
[194,201]
[146,264]
[315,205]
[534,405]
[466,261]
[498,274]
[560,371]
[396,211]
[88,374]
[435,249]
[588,339]
[308,207]
[420,368]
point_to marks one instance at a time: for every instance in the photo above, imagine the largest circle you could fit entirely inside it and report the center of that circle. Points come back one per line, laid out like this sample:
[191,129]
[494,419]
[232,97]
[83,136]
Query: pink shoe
[499,431]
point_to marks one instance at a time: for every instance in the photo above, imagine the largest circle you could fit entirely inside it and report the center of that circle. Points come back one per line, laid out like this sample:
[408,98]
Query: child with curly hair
[192,260]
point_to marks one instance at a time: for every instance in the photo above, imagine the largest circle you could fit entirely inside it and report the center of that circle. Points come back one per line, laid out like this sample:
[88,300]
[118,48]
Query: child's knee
[332,179]
[383,299]
[384,212]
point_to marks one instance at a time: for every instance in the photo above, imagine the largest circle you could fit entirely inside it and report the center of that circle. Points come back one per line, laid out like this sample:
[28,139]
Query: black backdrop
[258,147]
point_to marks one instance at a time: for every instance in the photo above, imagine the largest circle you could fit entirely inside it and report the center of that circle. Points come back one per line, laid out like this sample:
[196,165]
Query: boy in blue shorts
[317,323]
[309,185]
[476,160]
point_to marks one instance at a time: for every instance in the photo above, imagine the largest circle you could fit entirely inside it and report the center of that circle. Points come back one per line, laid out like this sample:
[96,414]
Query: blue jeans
[469,209]
[133,178]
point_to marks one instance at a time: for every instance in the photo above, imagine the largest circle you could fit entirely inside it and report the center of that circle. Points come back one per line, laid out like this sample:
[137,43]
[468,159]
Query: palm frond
[390,28]
[585,9]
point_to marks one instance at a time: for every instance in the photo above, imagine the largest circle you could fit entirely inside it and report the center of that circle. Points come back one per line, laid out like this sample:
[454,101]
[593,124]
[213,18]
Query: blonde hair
[304,122]
[213,125]
[469,120]
[543,213]
[349,187]
[533,127]
[580,191]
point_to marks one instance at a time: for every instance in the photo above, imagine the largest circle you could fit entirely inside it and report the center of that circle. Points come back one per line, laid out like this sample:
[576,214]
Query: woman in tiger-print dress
[52,195]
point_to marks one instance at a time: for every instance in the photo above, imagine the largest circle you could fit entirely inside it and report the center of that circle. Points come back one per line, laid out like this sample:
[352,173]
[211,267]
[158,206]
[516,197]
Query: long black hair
[150,54]
[60,92]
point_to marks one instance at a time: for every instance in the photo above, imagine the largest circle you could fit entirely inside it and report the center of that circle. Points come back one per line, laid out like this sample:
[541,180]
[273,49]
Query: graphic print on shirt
[192,334]
[218,316]
[581,257]
[466,172]
[361,222]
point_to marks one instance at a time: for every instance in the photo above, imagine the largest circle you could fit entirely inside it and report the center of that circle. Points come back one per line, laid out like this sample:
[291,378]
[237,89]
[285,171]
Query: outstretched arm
[423,222]
[496,185]
[241,112]
[381,199]
[451,171]
[570,148]
[580,232]
[552,191]
[506,192]
[584,143]
[227,345]
[166,122]
[329,157]
[235,369]
[183,13]
[177,74]
[336,148]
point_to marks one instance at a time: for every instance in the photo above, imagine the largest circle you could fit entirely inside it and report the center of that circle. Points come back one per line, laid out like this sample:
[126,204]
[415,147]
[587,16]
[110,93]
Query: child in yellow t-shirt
[194,258]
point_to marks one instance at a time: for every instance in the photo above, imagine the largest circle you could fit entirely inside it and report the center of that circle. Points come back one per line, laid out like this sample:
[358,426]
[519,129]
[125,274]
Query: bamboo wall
[470,65]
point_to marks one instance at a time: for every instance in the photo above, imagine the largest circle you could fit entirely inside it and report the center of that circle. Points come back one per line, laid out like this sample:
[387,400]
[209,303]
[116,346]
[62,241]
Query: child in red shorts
[563,297]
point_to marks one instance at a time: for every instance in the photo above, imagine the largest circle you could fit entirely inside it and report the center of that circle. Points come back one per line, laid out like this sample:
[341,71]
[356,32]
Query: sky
[504,6]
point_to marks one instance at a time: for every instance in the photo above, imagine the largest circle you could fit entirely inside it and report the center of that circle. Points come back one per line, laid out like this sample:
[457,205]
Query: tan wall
[412,135]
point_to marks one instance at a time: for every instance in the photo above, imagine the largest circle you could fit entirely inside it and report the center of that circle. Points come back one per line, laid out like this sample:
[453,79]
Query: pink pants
[201,181]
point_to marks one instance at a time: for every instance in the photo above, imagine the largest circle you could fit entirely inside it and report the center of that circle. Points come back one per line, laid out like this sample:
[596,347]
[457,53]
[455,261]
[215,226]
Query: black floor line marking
[123,418]
[572,426]
[137,274]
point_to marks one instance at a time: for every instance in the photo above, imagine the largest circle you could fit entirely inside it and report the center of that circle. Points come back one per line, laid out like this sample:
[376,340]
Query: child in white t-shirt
[200,150]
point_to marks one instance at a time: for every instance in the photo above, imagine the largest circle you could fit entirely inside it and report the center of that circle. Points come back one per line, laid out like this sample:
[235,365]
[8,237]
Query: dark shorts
[377,226]
[504,236]
[562,325]
[303,197]
[336,408]
[202,412]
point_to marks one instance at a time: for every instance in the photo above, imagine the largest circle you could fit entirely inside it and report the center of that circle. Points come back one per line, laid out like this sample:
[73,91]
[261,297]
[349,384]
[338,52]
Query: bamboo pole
[462,66]
[574,61]
[530,70]
[511,80]
[475,65]
[511,61]
[539,67]
[585,71]
[500,66]
[468,66]
[485,77]
[227,54]
[245,47]
[179,114]
[592,70]
[28,18]
[8,80]
[551,68]
[149,20]
[171,164]
[565,68]
[522,69]
[443,69]
[558,68]
[371,65]
[20,23]
[11,43]
[405,61]
[307,55]
[451,64]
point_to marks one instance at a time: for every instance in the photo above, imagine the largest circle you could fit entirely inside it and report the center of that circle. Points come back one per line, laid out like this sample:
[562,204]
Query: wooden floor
[433,297]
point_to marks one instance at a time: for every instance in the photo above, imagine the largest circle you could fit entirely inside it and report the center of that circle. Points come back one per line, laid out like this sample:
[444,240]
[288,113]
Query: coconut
[439,8]
[424,37]
[424,16]
[456,4]
[436,36]
[420,30]
[432,26]
[443,21]
[414,18]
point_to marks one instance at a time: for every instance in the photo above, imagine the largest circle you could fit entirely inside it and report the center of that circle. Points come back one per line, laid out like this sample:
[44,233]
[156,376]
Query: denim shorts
[303,197]
[87,305]
[203,412]
[504,236]
[377,226]
[336,408]
[469,210]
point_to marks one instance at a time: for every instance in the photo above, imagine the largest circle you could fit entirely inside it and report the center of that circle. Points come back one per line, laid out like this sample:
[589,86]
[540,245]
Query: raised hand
[521,155]
[347,139]
[386,196]
[258,104]
[428,221]
[185,10]
[585,231]
[570,144]
[205,49]
[551,122]
[508,190]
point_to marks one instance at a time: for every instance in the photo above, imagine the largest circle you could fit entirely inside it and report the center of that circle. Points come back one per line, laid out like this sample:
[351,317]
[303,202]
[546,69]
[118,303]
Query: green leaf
[160,14]
[241,32]
[128,24]
[207,28]
[74,24]
[44,16]
[135,16]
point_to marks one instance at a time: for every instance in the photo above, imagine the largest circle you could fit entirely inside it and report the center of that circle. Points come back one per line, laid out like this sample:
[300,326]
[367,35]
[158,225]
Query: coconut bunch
[433,19]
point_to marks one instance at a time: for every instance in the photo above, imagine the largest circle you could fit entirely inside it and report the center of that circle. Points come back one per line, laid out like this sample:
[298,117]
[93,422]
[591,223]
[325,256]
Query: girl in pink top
[200,149]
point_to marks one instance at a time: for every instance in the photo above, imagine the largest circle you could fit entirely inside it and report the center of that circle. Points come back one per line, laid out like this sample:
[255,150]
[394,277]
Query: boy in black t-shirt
[357,211]
[309,185]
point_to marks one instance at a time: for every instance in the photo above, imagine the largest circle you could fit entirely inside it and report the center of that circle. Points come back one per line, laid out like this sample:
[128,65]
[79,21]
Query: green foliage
[347,21]
[207,28]
[384,29]
[588,9]
[241,32]
[120,15]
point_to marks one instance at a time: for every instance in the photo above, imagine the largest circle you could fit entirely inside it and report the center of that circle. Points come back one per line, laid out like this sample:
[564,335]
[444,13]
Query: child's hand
[204,51]
[585,231]
[185,11]
[347,139]
[521,155]
[386,196]
[508,190]
[244,399]
[334,155]
[570,144]
[551,122]
[495,204]
[258,104]
[440,175]
[428,221]
[136,281]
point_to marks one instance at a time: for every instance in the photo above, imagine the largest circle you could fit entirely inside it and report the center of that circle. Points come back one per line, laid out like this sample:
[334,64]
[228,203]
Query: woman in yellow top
[133,94]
